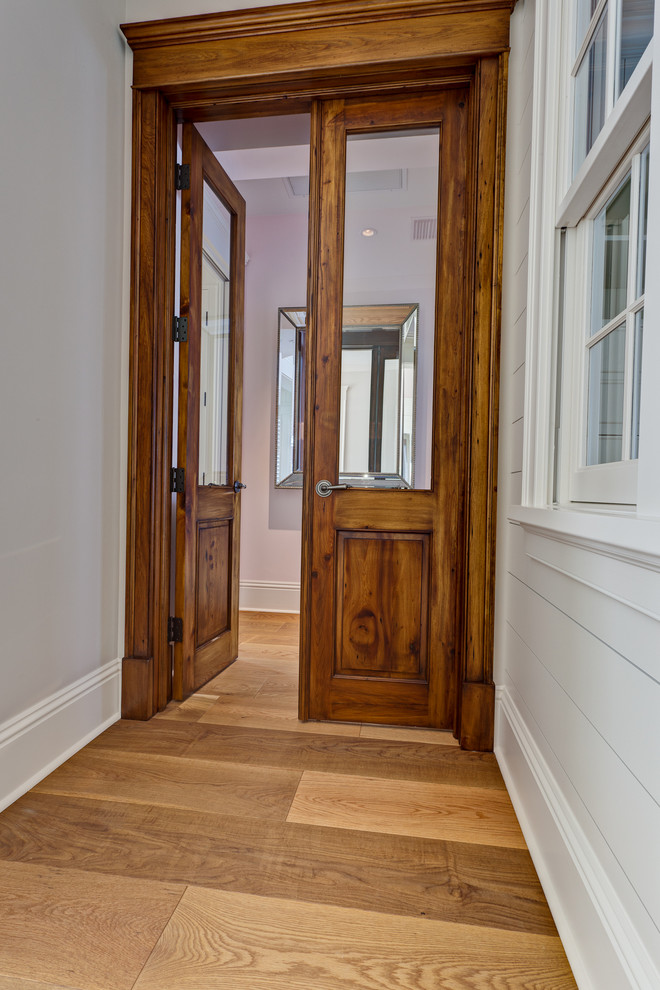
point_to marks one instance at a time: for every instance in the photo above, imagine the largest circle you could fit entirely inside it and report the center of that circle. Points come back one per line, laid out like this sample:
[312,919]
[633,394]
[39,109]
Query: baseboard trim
[269,596]
[601,941]
[61,724]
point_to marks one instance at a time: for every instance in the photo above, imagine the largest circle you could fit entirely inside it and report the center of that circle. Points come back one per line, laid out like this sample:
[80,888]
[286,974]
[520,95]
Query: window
[610,38]
[614,339]
[605,251]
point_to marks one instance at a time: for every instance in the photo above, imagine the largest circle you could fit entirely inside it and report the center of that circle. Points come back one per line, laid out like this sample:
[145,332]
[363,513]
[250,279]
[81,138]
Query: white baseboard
[270,596]
[602,943]
[37,741]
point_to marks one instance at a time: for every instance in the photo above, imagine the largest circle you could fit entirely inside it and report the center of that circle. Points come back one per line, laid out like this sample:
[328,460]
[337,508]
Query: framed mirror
[378,390]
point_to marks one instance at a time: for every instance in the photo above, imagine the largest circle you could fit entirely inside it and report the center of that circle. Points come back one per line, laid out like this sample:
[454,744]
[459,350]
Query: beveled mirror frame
[282,59]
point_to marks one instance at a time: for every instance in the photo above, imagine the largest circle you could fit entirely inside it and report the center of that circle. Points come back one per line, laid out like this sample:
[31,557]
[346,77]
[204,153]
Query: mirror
[377,414]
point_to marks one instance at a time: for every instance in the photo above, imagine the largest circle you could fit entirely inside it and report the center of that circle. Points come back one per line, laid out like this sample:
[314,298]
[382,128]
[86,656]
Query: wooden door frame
[279,60]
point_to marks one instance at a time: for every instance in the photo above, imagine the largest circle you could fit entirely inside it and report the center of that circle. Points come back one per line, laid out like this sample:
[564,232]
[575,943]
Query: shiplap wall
[577,662]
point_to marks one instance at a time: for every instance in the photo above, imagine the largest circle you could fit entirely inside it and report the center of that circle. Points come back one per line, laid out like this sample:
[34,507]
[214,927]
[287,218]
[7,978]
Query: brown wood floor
[226,845]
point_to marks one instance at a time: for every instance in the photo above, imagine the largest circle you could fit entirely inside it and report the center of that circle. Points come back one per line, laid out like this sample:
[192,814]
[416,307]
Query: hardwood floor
[226,845]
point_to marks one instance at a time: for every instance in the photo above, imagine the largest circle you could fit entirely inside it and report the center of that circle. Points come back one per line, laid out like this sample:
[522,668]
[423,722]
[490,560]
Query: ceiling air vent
[424,228]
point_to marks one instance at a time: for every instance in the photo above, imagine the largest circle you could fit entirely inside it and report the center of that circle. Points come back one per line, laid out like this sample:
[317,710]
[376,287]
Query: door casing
[280,60]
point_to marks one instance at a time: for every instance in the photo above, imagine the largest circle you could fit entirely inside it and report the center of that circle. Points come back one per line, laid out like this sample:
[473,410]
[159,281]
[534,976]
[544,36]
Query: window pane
[606,382]
[388,333]
[215,342]
[636,32]
[610,259]
[590,94]
[637,383]
[643,222]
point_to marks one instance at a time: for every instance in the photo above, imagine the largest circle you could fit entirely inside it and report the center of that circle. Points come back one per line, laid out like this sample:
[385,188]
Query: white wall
[577,659]
[270,518]
[61,284]
[147,10]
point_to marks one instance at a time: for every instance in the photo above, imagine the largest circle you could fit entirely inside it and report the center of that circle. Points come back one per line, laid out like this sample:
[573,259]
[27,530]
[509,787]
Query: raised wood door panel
[208,514]
[382,623]
[382,605]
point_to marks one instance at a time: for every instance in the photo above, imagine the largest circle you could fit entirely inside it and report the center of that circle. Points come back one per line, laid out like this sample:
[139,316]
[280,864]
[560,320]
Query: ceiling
[268,160]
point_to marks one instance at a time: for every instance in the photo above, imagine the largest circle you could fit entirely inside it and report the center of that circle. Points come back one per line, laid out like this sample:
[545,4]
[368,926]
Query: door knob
[323,488]
[238,485]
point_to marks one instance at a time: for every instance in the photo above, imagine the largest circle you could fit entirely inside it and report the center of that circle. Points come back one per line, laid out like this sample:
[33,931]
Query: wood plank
[217,939]
[477,885]
[435,737]
[188,711]
[17,983]
[271,713]
[437,811]
[176,782]
[382,758]
[76,928]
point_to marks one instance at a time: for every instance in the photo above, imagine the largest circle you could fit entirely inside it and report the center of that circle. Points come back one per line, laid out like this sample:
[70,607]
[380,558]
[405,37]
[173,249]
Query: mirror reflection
[377,414]
[215,343]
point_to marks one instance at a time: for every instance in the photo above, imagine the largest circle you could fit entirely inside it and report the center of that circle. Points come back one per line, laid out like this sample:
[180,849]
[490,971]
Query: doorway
[169,83]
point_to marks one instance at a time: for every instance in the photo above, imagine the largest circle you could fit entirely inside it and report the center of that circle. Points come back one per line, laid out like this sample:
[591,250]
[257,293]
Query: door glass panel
[390,255]
[610,260]
[606,387]
[215,342]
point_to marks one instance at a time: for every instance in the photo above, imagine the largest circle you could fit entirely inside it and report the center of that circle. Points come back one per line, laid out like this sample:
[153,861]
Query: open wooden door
[210,412]
[384,577]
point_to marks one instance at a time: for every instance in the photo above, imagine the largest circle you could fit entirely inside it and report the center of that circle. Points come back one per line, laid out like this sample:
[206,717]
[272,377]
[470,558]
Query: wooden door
[209,419]
[382,605]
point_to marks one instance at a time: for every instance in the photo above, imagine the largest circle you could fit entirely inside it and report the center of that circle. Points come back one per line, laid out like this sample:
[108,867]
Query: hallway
[225,844]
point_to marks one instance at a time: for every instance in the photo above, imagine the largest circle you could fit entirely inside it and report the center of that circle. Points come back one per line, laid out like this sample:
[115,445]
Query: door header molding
[294,17]
[210,53]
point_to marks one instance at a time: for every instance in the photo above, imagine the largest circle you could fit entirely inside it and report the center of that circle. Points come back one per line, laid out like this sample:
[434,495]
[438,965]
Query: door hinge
[178,480]
[182,177]
[180,329]
[174,629]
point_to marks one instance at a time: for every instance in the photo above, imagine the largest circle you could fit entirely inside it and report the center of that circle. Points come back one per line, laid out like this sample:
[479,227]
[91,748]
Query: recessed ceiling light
[368,232]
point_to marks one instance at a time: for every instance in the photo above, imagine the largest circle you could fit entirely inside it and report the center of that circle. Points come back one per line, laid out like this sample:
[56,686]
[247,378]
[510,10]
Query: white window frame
[614,482]
[560,200]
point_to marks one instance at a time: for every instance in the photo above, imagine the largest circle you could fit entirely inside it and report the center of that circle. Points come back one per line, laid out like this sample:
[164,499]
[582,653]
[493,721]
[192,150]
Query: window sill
[626,120]
[623,535]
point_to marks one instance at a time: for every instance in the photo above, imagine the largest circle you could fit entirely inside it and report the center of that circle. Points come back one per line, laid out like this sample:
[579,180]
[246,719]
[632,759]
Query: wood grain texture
[471,884]
[433,736]
[79,929]
[96,857]
[147,687]
[218,939]
[389,759]
[382,592]
[313,50]
[436,811]
[214,576]
[207,518]
[423,585]
[176,782]
[318,14]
